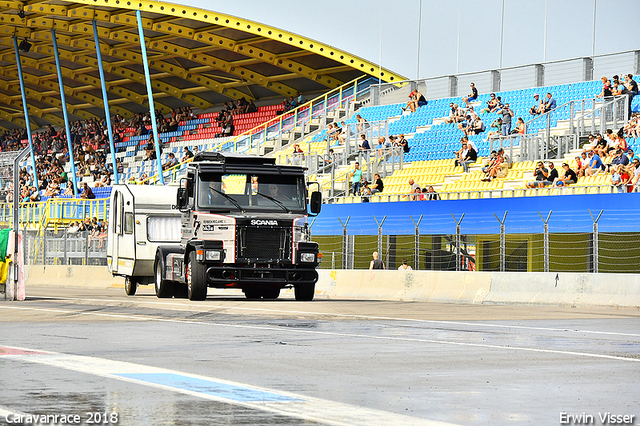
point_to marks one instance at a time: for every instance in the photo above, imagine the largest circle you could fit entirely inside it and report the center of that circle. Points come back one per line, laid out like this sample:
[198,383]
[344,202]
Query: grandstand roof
[197,57]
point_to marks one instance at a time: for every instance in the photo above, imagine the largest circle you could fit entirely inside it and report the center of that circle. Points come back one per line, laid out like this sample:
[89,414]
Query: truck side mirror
[181,199]
[316,202]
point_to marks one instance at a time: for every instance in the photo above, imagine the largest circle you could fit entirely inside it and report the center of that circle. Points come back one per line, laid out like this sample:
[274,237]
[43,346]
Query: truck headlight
[307,257]
[212,255]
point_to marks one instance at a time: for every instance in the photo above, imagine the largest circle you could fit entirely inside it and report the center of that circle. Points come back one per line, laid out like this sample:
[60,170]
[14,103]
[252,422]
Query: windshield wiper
[278,202]
[233,201]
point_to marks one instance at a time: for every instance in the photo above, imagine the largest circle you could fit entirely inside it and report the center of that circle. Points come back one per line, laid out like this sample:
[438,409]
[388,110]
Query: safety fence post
[503,243]
[458,242]
[416,243]
[380,233]
[546,240]
[345,238]
[595,240]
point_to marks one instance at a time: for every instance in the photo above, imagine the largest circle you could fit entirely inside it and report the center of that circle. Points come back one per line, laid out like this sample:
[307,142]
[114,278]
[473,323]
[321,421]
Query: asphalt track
[113,359]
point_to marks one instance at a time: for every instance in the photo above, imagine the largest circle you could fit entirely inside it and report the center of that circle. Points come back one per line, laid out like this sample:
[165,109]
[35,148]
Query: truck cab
[243,225]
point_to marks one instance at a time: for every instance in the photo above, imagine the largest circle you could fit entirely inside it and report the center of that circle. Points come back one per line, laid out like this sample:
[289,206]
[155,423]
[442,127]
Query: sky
[367,28]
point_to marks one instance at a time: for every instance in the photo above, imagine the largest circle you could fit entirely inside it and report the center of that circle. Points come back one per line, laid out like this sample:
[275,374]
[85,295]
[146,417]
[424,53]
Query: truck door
[126,238]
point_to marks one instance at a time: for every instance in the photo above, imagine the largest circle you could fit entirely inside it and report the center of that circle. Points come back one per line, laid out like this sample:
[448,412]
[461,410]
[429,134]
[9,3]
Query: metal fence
[456,243]
[64,248]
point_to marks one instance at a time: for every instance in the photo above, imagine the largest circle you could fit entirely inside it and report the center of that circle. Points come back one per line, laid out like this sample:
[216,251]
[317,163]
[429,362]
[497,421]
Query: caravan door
[123,247]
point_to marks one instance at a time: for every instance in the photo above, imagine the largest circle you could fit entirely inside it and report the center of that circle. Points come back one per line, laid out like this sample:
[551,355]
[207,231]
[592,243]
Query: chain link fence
[463,244]
[65,248]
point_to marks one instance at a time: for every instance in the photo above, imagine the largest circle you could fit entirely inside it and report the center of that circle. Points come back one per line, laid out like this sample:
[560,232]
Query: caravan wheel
[130,286]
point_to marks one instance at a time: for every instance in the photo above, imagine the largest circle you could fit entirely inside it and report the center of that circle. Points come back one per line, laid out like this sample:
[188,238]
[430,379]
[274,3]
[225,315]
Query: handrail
[279,120]
[491,193]
[40,214]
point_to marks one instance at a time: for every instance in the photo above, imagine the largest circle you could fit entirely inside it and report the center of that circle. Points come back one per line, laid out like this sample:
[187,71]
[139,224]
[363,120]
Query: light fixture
[24,45]
[21,14]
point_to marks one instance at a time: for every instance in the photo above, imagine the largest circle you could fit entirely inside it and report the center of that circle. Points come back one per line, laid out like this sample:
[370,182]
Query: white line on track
[327,333]
[291,405]
[478,324]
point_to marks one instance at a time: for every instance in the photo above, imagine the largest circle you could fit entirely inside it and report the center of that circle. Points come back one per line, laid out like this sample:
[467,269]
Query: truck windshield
[275,193]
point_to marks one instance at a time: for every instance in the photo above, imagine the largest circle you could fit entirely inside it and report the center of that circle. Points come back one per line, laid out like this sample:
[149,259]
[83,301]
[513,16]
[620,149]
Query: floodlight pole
[152,110]
[26,113]
[64,112]
[105,101]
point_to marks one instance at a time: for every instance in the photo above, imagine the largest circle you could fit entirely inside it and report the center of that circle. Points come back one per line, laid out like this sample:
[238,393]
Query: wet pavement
[147,361]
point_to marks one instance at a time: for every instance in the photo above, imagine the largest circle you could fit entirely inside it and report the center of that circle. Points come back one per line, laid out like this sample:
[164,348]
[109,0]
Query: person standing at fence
[506,119]
[404,266]
[376,263]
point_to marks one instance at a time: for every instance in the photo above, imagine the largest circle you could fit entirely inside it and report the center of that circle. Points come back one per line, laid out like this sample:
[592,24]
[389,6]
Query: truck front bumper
[223,276]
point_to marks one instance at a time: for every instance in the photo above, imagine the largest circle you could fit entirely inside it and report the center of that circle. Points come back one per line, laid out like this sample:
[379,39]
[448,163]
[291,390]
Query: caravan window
[128,223]
[163,229]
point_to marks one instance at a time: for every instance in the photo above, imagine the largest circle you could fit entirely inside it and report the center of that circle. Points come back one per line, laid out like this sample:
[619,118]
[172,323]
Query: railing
[273,129]
[583,116]
[575,189]
[55,211]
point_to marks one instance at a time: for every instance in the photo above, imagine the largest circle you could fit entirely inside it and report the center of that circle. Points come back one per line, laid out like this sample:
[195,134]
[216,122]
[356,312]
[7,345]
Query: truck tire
[271,292]
[130,286]
[304,292]
[164,288]
[196,279]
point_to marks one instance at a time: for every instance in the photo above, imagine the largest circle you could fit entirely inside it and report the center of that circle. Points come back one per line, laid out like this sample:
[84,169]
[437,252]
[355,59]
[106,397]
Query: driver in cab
[212,195]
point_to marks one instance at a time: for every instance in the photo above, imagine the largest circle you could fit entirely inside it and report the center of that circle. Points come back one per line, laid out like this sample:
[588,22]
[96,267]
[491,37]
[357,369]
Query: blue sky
[356,26]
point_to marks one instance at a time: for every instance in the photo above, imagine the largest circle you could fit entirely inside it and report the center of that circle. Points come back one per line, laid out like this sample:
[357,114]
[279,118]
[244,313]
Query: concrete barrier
[529,288]
[567,289]
[434,286]
[71,276]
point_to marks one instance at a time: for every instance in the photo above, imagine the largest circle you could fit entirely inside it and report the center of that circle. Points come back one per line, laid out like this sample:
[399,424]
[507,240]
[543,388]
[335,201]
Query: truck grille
[265,243]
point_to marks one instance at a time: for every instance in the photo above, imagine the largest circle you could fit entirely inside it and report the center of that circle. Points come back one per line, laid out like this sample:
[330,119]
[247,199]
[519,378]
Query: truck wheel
[196,279]
[271,292]
[304,292]
[164,288]
[252,293]
[130,286]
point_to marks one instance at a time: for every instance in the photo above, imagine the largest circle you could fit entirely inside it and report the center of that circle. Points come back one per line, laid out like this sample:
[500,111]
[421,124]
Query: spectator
[541,174]
[492,105]
[365,192]
[73,228]
[595,164]
[568,177]
[171,162]
[362,123]
[456,115]
[412,189]
[606,93]
[402,142]
[404,266]
[616,178]
[251,107]
[87,193]
[537,107]
[490,161]
[583,163]
[297,156]
[364,144]
[356,179]
[416,100]
[300,99]
[631,156]
[470,158]
[187,154]
[431,194]
[471,96]
[418,194]
[506,119]
[383,147]
[376,263]
[636,173]
[550,103]
[378,185]
[521,128]
[496,127]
